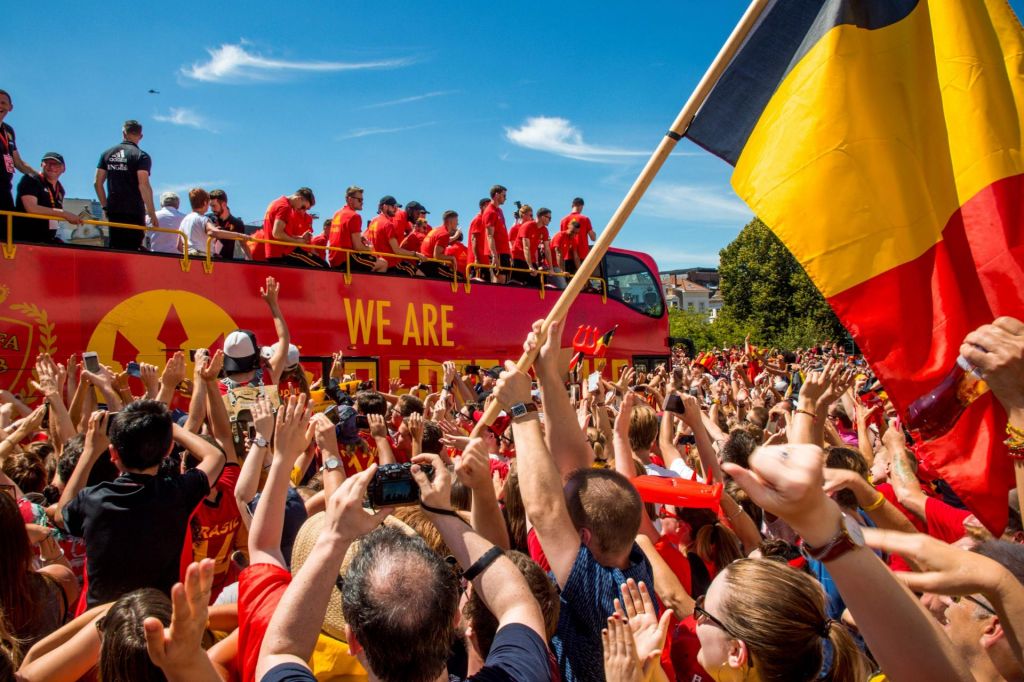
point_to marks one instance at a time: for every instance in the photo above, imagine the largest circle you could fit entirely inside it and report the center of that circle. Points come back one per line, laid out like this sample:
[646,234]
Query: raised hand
[292,426]
[378,427]
[395,385]
[174,370]
[346,517]
[473,466]
[263,418]
[621,664]
[997,350]
[150,377]
[637,609]
[547,362]
[448,368]
[270,291]
[210,369]
[178,650]
[414,422]
[435,492]
[337,365]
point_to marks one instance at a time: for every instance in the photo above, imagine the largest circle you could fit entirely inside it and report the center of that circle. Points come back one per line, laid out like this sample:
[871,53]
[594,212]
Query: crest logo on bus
[152,326]
[25,331]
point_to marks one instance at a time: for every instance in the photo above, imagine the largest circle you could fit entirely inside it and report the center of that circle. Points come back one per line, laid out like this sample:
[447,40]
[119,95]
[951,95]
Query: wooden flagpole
[636,192]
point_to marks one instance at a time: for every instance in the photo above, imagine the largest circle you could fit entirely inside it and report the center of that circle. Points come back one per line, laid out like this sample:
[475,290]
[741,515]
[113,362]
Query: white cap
[293,354]
[240,351]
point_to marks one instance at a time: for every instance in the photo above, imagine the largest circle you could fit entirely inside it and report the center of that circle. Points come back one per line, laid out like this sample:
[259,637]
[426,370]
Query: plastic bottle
[934,414]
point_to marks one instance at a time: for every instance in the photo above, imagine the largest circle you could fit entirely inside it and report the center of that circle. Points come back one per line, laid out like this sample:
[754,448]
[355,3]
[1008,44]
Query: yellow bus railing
[540,274]
[9,249]
[208,264]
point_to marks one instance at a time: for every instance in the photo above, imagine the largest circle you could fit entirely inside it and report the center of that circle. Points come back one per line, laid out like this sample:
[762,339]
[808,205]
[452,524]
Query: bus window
[631,282]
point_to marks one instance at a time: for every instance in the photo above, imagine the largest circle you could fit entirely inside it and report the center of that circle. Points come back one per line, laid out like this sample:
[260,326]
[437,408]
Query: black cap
[415,206]
[388,200]
[53,156]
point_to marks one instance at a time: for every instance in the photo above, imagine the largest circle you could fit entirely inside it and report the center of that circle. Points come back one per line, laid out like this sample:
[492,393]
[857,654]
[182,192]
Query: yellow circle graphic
[151,326]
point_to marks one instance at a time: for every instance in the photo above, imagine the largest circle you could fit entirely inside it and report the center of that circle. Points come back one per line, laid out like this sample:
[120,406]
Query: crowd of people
[396,240]
[247,520]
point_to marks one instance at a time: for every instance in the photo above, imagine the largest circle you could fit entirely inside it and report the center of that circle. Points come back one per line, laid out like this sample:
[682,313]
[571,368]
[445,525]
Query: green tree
[766,291]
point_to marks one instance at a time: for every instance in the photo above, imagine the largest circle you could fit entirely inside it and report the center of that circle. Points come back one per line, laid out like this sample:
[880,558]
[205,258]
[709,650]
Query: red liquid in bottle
[934,414]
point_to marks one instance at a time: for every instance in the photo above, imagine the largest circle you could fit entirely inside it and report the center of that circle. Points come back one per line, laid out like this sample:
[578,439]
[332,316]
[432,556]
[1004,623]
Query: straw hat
[334,621]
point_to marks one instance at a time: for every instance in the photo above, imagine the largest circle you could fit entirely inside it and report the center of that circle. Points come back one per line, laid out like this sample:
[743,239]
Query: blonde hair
[779,613]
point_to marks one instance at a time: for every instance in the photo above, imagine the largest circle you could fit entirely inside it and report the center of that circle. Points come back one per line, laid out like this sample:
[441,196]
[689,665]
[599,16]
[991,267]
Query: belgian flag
[881,140]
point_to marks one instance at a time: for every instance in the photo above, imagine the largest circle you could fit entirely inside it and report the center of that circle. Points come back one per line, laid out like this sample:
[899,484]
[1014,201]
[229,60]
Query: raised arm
[174,372]
[499,583]
[787,481]
[296,624]
[473,468]
[269,293]
[291,437]
[539,478]
[565,441]
[96,443]
[258,460]
[379,433]
[211,458]
[220,422]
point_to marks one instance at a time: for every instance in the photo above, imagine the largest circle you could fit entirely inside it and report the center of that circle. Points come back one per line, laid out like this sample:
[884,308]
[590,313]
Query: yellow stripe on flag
[876,137]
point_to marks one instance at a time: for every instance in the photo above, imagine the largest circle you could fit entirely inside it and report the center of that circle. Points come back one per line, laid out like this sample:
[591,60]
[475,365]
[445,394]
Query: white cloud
[183,116]
[694,204]
[234,63]
[559,136]
[364,132]
[409,100]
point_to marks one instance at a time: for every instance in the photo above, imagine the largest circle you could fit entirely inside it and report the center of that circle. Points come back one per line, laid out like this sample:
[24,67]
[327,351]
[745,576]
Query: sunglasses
[703,617]
[977,602]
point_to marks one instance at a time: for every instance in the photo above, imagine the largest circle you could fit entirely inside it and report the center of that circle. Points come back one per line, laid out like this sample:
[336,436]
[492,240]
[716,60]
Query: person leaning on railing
[43,195]
[434,246]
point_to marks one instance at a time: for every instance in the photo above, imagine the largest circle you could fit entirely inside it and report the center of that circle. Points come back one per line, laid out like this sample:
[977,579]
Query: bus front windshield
[631,282]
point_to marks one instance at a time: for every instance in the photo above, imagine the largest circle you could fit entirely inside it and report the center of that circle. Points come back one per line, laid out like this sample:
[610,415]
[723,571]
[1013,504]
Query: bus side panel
[61,300]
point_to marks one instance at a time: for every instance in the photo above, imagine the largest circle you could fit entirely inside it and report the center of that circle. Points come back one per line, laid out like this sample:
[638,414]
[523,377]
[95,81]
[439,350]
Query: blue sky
[433,102]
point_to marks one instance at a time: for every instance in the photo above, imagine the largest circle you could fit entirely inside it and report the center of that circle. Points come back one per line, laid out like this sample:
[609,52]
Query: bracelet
[448,387]
[1015,442]
[732,516]
[481,564]
[879,501]
[810,414]
[443,512]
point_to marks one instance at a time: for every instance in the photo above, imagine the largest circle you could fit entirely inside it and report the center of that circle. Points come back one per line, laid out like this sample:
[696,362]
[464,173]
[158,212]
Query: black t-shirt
[47,196]
[7,148]
[122,163]
[134,530]
[518,654]
[232,223]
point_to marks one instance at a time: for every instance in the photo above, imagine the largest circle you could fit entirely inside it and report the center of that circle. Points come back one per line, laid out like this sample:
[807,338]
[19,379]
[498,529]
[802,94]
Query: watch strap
[524,408]
[840,544]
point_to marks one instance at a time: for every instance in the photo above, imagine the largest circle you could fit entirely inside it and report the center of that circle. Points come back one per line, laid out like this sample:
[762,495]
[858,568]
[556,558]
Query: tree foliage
[767,291]
[767,294]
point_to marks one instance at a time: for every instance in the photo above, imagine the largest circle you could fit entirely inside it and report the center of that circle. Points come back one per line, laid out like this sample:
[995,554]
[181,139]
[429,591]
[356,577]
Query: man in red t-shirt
[563,249]
[321,239]
[524,246]
[286,220]
[586,230]
[434,245]
[543,251]
[384,237]
[346,233]
[496,246]
[477,234]
[418,226]
[459,251]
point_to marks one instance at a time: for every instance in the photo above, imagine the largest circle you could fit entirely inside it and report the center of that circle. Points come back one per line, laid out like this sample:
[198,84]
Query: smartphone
[91,361]
[332,414]
[594,382]
[133,369]
[422,387]
[673,403]
[362,422]
[110,420]
[471,369]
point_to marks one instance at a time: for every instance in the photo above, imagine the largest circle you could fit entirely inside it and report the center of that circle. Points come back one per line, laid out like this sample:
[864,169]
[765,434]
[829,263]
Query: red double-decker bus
[144,307]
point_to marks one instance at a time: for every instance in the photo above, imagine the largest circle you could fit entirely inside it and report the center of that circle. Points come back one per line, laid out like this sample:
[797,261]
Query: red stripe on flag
[912,319]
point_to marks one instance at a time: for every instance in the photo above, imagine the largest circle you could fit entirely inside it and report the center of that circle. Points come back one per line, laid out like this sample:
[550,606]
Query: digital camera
[394,486]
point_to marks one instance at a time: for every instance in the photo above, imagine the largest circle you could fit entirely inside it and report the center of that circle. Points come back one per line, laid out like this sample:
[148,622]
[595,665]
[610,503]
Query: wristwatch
[260,441]
[849,538]
[520,410]
[331,464]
